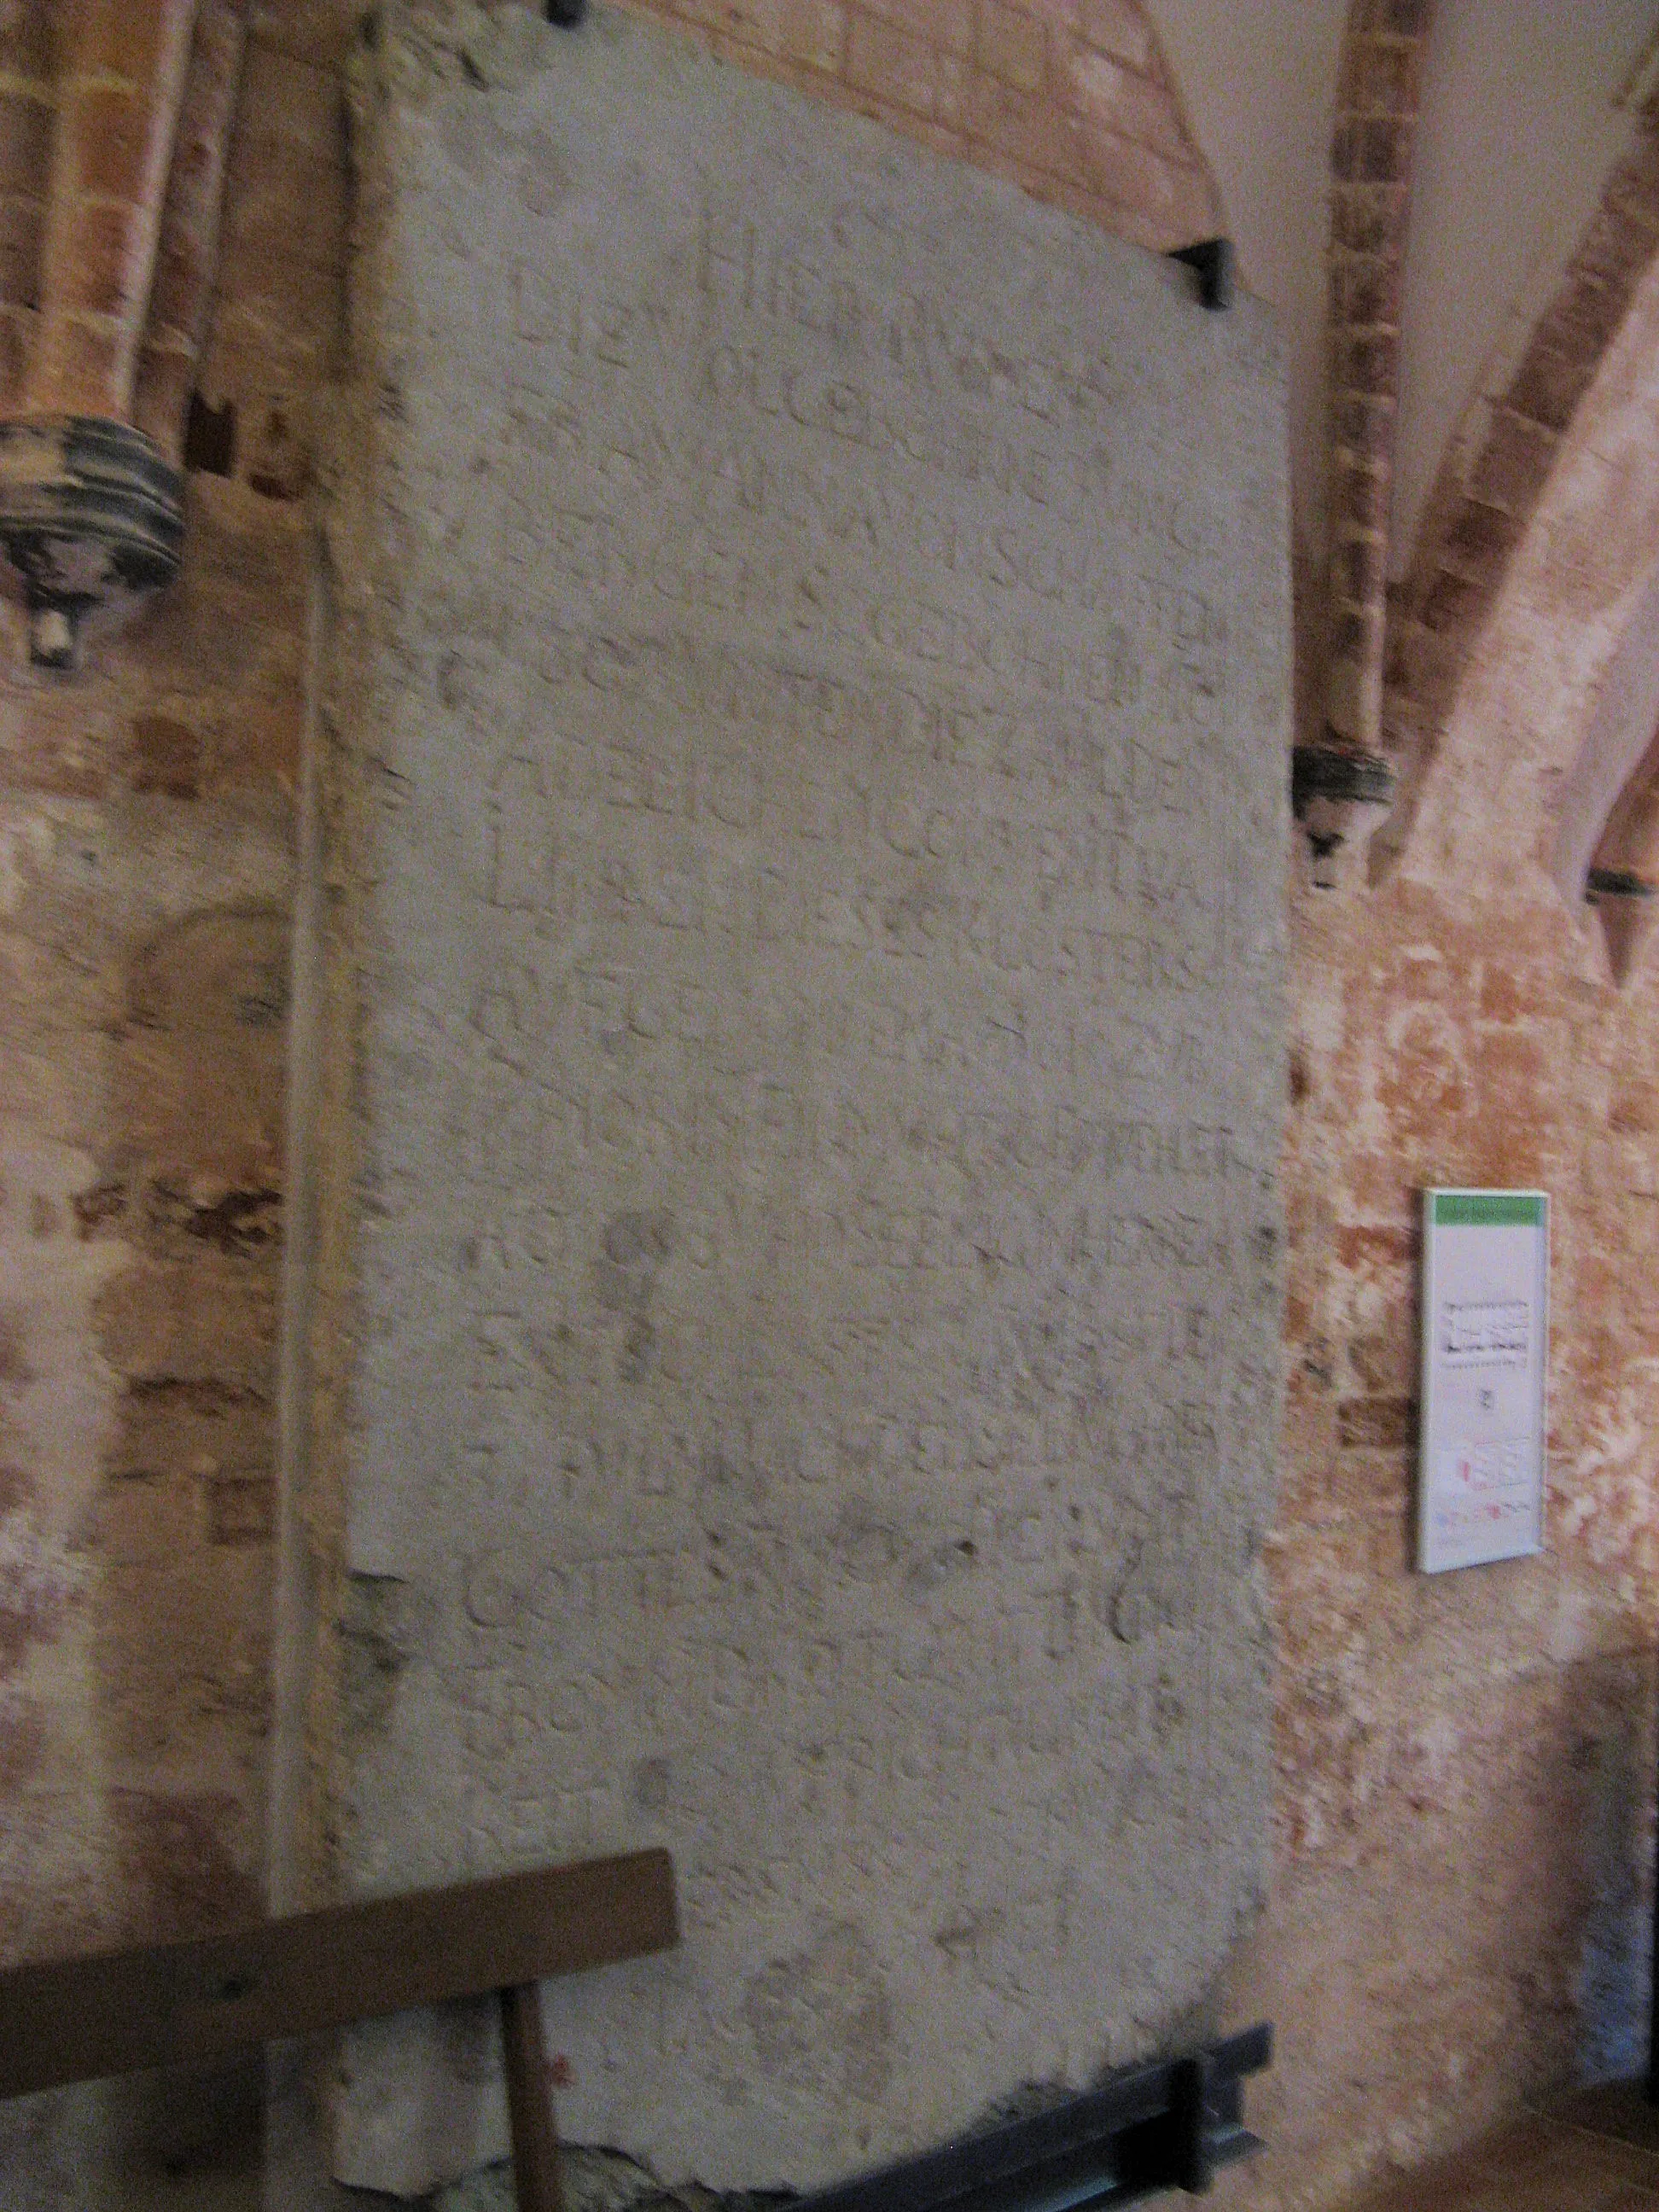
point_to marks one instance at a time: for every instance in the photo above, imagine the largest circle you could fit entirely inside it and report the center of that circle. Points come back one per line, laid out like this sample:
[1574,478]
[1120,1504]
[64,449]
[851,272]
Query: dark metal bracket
[1213,259]
[1170,2124]
[1617,883]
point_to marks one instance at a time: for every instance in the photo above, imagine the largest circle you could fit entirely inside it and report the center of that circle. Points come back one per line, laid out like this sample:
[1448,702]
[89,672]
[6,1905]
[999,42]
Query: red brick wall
[1465,1786]
[1464,1764]
[146,825]
[1372,143]
[1069,99]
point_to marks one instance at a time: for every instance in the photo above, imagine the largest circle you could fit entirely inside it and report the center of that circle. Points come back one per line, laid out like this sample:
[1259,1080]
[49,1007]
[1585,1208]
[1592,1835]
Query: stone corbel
[1605,804]
[1617,875]
[1340,795]
[91,441]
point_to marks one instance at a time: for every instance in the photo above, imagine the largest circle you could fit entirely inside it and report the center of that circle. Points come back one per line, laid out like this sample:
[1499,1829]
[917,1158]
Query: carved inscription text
[822,1070]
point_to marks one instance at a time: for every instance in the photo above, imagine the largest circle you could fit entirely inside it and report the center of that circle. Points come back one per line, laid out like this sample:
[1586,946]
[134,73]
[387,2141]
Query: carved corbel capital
[1341,795]
[127,184]
[91,524]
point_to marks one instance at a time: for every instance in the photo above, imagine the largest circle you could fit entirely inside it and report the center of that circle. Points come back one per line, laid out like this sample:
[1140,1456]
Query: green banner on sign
[1488,1209]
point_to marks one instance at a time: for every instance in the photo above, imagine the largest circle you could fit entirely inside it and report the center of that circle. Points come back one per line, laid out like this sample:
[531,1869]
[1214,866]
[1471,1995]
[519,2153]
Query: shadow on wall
[1616,1972]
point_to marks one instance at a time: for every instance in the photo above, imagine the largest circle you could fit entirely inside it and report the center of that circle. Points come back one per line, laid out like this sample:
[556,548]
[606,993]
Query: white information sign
[1485,1337]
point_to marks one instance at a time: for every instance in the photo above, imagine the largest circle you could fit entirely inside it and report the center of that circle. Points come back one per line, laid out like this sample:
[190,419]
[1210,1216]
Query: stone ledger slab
[821,1063]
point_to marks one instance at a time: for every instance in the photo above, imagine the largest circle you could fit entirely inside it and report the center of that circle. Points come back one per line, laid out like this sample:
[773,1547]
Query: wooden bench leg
[535,2139]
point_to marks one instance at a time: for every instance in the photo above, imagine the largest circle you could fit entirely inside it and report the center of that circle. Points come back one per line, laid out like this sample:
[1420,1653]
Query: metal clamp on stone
[1213,261]
[1617,883]
[91,524]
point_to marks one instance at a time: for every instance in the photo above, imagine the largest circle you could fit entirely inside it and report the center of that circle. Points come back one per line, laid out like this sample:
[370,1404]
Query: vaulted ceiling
[1454,205]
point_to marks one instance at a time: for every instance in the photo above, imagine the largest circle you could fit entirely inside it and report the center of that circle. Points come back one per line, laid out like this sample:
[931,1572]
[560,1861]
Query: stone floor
[1596,2150]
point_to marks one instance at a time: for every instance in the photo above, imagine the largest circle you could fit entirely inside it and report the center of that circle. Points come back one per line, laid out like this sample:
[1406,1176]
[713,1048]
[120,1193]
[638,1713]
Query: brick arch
[104,291]
[120,82]
[1489,488]
[1071,99]
[1373,143]
[1539,758]
[28,60]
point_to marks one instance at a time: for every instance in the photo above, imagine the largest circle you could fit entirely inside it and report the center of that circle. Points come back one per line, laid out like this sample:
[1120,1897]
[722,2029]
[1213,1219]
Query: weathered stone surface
[823,1069]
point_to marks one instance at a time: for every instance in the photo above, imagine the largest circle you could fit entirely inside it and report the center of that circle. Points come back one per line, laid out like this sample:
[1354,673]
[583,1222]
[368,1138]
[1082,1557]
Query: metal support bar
[1171,2125]
[1193,2086]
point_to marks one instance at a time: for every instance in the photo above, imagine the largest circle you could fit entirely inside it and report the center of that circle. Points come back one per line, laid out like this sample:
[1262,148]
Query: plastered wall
[1465,1786]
